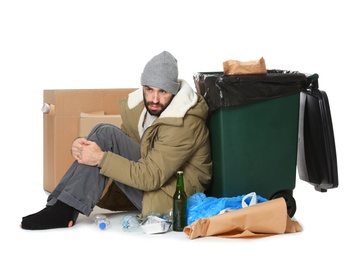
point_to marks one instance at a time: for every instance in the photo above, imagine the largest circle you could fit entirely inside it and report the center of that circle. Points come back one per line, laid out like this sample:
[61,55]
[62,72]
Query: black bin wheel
[290,202]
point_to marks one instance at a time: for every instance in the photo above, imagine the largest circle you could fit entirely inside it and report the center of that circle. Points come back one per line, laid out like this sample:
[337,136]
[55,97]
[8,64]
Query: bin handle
[313,81]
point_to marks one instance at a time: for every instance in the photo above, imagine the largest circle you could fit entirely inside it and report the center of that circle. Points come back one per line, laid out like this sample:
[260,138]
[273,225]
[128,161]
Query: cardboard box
[89,120]
[61,121]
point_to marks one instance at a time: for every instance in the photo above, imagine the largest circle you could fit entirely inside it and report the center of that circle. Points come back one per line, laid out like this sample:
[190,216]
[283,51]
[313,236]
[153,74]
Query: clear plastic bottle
[131,223]
[102,221]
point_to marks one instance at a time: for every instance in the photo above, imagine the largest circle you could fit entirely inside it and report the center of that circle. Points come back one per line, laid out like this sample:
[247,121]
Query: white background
[105,44]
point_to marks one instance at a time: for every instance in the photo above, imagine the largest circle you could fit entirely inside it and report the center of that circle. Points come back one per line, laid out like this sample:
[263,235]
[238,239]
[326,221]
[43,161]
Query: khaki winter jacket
[177,140]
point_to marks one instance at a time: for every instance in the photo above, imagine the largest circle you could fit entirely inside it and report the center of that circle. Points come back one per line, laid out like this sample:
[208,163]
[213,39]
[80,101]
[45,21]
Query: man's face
[156,100]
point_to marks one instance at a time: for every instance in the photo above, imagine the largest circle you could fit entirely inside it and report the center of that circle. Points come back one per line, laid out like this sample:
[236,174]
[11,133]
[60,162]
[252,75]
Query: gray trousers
[81,187]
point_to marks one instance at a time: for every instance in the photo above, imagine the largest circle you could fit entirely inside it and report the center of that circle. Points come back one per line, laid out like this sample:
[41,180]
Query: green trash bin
[253,125]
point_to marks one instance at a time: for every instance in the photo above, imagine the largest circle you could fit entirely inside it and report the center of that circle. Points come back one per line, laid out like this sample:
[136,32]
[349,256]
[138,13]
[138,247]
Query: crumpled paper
[259,220]
[235,67]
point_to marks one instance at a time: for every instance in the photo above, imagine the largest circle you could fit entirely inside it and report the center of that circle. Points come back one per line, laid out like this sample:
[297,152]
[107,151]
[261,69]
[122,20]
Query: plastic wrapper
[201,206]
[155,225]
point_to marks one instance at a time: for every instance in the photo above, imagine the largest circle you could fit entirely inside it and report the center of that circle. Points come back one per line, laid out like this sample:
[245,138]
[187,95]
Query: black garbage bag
[229,90]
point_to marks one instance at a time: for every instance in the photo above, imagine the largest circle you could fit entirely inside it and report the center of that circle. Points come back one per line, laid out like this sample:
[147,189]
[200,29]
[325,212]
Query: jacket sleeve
[171,146]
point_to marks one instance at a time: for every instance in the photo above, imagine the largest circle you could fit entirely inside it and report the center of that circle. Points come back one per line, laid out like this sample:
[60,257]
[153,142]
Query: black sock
[26,217]
[56,216]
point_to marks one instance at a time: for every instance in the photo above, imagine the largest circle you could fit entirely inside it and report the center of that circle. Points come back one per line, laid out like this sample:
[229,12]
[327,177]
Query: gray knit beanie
[161,72]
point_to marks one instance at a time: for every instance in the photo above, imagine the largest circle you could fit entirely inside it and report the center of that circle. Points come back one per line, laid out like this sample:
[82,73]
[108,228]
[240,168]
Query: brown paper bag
[235,67]
[259,220]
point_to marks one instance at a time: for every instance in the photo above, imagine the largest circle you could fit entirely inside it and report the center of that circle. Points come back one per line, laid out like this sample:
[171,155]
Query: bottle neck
[180,182]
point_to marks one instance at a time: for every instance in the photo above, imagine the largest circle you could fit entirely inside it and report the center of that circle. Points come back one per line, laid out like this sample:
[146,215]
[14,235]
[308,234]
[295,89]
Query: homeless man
[163,130]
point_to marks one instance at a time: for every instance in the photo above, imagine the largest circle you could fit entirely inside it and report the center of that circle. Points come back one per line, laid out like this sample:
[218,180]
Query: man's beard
[156,113]
[152,112]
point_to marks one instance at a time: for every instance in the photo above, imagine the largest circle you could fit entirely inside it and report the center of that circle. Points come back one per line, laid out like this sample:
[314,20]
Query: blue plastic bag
[201,206]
